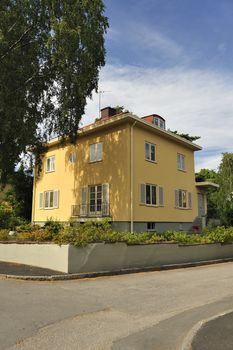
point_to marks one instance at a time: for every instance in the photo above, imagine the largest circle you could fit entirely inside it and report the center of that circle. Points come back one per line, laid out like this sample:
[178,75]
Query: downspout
[33,195]
[131,176]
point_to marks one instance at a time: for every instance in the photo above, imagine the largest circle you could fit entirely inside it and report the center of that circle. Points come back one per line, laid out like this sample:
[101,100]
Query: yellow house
[127,169]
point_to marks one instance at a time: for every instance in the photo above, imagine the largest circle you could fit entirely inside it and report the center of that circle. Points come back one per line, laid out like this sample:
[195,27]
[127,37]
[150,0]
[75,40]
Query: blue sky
[174,58]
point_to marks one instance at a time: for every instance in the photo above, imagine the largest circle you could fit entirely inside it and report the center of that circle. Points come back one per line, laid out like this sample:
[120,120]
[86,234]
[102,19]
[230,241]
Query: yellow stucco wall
[68,178]
[163,173]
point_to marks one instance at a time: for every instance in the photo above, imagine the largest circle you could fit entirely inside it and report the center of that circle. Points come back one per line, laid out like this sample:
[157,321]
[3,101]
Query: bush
[53,227]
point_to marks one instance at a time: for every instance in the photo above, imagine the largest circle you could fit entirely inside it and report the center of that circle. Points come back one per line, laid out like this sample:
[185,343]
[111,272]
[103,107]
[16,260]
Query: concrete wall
[50,256]
[110,257]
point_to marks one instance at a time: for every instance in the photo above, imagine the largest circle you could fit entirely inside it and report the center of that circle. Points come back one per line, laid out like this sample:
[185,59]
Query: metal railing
[90,210]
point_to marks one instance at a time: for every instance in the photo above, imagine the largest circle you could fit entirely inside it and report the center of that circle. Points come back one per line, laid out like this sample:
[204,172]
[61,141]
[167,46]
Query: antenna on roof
[101,92]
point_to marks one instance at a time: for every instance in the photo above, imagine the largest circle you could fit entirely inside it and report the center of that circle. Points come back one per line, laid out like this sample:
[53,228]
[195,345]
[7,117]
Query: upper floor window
[180,161]
[159,122]
[150,151]
[72,157]
[50,164]
[96,152]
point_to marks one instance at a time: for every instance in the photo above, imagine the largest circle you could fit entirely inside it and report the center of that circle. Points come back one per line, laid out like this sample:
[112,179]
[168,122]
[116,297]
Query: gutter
[131,175]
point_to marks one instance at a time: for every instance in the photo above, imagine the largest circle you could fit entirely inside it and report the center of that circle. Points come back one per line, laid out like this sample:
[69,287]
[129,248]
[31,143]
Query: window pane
[148,198]
[46,200]
[51,200]
[184,194]
[153,190]
[99,151]
[156,121]
[153,152]
[52,164]
[180,198]
[92,153]
[48,164]
[147,151]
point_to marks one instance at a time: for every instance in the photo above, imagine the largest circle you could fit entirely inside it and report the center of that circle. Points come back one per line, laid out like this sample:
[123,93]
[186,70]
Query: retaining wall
[110,257]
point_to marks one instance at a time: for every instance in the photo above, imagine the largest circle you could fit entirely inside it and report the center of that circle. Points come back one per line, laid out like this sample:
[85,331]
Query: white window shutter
[56,199]
[161,197]
[83,204]
[105,199]
[176,199]
[41,200]
[190,200]
[143,193]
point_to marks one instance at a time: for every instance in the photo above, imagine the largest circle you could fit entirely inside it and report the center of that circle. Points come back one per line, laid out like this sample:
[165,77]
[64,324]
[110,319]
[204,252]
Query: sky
[173,58]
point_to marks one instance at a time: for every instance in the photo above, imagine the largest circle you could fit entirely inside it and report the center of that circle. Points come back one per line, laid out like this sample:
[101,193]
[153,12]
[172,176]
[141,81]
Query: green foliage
[50,56]
[101,231]
[225,192]
[53,227]
[186,136]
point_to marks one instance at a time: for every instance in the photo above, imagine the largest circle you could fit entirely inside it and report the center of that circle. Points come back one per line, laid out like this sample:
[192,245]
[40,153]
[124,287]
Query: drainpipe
[131,175]
[33,195]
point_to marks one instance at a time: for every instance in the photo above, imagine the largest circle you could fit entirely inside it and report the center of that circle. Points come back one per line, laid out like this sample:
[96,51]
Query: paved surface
[214,333]
[25,270]
[153,310]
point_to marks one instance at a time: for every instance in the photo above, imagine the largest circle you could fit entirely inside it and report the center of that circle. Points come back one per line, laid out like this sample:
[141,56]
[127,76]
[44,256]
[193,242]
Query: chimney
[107,112]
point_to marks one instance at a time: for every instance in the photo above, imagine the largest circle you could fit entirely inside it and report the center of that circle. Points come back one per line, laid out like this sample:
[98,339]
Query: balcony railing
[90,210]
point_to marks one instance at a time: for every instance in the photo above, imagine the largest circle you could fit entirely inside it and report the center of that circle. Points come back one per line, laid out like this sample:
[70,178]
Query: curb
[187,344]
[84,275]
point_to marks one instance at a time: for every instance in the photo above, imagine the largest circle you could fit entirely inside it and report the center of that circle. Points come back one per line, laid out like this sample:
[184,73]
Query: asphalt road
[153,310]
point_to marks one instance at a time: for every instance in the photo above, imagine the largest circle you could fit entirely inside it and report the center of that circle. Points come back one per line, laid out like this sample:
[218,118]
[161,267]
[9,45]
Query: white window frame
[97,149]
[55,199]
[72,157]
[181,162]
[151,187]
[50,164]
[159,122]
[150,145]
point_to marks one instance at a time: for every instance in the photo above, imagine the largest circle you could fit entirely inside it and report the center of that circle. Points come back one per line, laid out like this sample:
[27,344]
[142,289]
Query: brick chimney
[107,112]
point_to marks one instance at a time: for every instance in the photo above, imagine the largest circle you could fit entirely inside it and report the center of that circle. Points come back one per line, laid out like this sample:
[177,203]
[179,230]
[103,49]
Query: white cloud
[194,101]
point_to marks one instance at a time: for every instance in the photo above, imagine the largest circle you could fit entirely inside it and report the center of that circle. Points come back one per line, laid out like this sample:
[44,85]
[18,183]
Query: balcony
[90,210]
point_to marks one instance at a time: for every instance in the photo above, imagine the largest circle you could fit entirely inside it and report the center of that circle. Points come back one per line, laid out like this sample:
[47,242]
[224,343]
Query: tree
[51,52]
[225,193]
[186,136]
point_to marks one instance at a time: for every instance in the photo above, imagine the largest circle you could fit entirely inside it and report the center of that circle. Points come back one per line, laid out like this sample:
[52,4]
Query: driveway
[153,310]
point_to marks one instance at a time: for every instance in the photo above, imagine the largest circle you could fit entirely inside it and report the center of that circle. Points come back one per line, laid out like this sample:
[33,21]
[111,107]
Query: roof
[206,184]
[133,119]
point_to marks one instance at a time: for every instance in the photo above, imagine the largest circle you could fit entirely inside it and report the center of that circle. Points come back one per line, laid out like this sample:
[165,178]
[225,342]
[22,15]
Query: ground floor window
[183,199]
[48,199]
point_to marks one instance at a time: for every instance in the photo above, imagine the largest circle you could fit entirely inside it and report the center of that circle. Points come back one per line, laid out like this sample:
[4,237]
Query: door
[95,197]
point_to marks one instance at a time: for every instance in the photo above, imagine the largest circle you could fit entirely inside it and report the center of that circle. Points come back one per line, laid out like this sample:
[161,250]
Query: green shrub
[4,235]
[53,227]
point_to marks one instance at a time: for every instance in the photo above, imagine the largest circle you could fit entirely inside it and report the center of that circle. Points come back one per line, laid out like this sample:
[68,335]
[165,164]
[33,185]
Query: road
[153,310]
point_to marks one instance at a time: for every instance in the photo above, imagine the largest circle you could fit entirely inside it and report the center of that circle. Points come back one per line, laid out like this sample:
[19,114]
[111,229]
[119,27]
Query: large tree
[225,193]
[51,52]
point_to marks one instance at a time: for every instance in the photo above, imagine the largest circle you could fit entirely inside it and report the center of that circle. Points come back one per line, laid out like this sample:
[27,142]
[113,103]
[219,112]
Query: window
[151,195]
[159,122]
[50,164]
[72,157]
[151,226]
[183,199]
[95,200]
[180,161]
[150,151]
[48,199]
[96,152]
